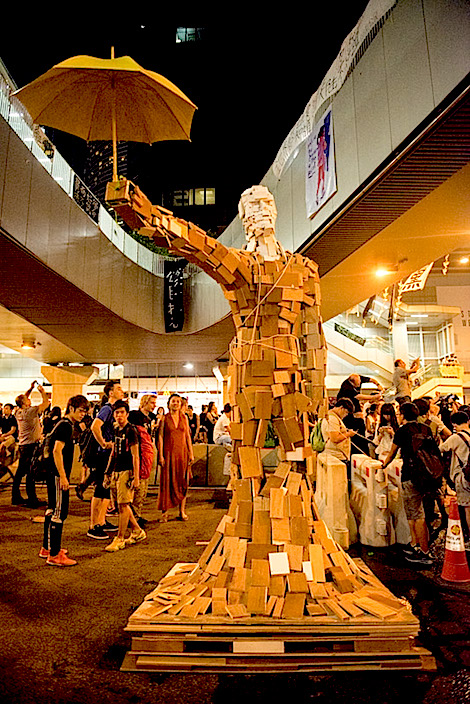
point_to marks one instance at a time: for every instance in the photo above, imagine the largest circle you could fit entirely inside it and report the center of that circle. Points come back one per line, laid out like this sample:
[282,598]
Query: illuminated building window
[193,196]
[189,34]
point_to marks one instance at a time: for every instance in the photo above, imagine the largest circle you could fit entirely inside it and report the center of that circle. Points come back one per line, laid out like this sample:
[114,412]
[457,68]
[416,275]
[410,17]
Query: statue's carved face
[257,211]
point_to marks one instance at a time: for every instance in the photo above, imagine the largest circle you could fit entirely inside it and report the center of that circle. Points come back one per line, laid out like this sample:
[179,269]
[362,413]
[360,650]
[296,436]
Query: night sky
[250,79]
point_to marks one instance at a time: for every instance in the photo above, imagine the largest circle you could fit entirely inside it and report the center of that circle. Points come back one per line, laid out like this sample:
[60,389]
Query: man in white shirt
[337,436]
[222,427]
[401,380]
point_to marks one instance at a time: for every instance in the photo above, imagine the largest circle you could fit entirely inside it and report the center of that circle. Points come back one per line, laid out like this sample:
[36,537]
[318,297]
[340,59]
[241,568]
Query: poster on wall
[320,169]
[173,294]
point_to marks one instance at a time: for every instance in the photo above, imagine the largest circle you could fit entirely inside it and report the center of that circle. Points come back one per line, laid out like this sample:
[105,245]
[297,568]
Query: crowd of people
[119,448]
[430,430]
[122,448]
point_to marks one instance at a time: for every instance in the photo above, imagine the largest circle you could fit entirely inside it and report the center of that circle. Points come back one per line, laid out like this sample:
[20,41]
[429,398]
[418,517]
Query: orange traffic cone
[455,567]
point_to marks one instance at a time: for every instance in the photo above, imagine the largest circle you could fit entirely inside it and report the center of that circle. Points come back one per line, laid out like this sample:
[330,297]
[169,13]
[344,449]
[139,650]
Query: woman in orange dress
[175,453]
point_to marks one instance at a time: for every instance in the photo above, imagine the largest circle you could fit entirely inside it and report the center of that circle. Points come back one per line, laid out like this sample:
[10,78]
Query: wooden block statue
[271,557]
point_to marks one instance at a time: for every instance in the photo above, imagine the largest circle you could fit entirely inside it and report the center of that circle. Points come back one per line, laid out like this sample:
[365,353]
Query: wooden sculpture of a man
[278,355]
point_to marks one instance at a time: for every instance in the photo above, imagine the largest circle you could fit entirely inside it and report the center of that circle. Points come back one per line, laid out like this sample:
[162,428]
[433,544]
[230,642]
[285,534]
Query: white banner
[320,170]
[334,79]
[417,280]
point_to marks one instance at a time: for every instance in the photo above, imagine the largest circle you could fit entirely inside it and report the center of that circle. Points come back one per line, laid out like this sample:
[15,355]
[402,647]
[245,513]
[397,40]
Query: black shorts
[102,460]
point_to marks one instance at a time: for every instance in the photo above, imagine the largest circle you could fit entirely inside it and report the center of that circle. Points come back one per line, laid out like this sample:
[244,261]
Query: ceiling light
[419,315]
[188,365]
[464,260]
[382,272]
[28,345]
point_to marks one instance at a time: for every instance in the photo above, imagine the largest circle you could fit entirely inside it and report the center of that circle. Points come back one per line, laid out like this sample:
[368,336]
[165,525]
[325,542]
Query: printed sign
[454,536]
[320,172]
[173,294]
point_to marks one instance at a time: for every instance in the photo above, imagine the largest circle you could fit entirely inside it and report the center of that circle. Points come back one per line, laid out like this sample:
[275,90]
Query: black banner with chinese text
[173,295]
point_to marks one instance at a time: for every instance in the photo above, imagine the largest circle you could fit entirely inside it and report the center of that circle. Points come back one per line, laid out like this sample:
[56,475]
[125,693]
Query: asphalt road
[62,639]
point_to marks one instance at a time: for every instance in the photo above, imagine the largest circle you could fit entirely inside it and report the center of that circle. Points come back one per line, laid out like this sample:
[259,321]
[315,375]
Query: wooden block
[277,503]
[261,532]
[241,579]
[244,511]
[277,586]
[307,570]
[281,376]
[339,560]
[278,563]
[283,469]
[215,564]
[297,582]
[245,408]
[256,600]
[293,483]
[316,558]
[242,489]
[277,611]
[336,609]
[295,554]
[236,430]
[258,551]
[278,390]
[260,437]
[373,607]
[237,555]
[283,434]
[323,533]
[288,404]
[250,462]
[293,430]
[280,531]
[213,544]
[316,610]
[350,607]
[237,611]
[299,531]
[272,482]
[243,530]
[260,574]
[263,404]
[317,591]
[294,605]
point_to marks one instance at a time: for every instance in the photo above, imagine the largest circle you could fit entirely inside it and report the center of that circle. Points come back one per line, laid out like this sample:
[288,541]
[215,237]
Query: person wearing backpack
[413,488]
[142,420]
[60,449]
[459,445]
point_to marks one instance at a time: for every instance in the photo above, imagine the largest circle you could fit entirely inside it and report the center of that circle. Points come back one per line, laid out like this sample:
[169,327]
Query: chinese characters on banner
[173,294]
[320,172]
[417,280]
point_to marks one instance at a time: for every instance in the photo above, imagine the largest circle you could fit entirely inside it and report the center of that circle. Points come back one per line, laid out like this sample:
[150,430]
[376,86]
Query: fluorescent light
[382,272]
[188,365]
[464,260]
[419,315]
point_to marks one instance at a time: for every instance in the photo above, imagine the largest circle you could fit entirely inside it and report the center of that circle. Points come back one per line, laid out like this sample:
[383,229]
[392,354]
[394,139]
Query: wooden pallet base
[218,644]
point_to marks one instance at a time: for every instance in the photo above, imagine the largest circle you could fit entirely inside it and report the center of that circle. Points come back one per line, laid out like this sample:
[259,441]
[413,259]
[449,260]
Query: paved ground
[62,638]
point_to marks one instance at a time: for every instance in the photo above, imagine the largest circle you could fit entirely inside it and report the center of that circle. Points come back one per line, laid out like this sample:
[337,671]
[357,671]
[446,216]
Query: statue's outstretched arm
[224,264]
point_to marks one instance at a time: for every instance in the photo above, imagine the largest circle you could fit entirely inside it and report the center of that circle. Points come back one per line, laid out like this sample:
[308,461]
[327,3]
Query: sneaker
[97,533]
[136,537]
[60,560]
[419,558]
[408,549]
[45,553]
[79,492]
[109,527]
[117,544]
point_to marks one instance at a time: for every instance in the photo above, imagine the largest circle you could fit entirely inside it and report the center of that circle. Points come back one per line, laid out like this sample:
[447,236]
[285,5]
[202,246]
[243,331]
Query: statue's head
[257,212]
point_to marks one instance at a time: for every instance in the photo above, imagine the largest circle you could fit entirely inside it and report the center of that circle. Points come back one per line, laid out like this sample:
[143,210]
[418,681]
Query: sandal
[183,517]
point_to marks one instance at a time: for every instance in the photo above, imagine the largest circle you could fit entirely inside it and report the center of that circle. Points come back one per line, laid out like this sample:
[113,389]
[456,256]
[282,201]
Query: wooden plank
[260,574]
[294,606]
[316,558]
[278,503]
[280,531]
[295,555]
[256,600]
[250,462]
[279,563]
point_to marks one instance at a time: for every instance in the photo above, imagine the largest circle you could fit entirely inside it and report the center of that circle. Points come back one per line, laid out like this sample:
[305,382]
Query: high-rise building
[99,165]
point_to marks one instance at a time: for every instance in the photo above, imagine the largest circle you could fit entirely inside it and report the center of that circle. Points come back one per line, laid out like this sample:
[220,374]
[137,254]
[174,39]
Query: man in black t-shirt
[408,414]
[61,449]
[351,388]
[124,473]
[9,432]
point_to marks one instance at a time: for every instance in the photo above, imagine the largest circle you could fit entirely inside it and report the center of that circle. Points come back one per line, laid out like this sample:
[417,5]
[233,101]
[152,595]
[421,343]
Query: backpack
[42,461]
[316,437]
[88,448]
[146,451]
[427,465]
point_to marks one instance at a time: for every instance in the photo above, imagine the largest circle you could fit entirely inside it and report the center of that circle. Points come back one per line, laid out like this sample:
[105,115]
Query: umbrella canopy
[108,99]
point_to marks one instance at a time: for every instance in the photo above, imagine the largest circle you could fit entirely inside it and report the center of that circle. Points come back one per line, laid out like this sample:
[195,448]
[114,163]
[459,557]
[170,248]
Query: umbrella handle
[114,127]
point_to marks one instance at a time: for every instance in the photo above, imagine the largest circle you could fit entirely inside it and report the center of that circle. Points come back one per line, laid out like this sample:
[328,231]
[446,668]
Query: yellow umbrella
[97,98]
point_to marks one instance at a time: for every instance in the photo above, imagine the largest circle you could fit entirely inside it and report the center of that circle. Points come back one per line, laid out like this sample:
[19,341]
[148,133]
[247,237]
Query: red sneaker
[60,560]
[45,553]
